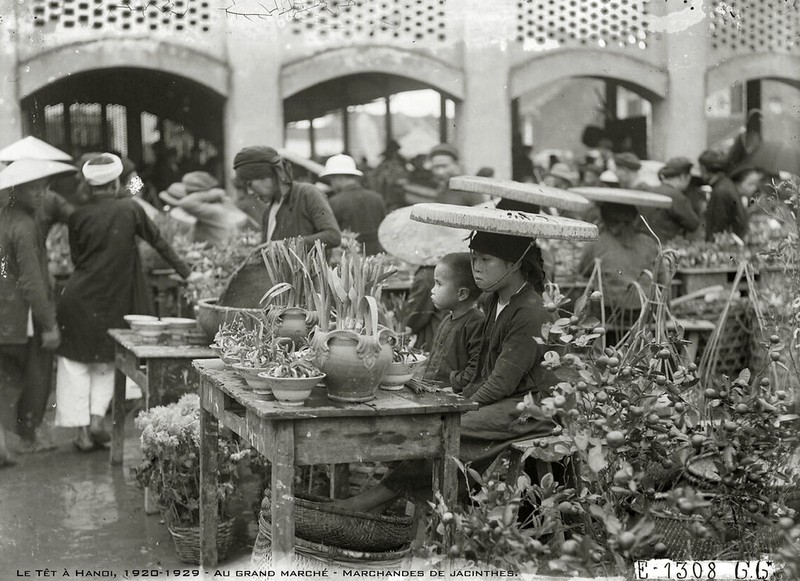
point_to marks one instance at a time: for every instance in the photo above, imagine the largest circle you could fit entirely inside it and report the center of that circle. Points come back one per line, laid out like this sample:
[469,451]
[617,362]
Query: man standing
[680,219]
[389,177]
[725,212]
[445,165]
[27,310]
[356,208]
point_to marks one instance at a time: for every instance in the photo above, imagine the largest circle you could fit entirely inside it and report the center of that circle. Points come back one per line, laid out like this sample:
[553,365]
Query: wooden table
[396,425]
[163,370]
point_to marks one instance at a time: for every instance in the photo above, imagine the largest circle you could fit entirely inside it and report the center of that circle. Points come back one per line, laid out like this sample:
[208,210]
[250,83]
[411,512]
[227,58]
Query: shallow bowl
[251,376]
[292,391]
[400,372]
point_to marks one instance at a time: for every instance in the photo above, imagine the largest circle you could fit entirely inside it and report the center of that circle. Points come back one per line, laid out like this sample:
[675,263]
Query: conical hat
[537,194]
[504,222]
[32,148]
[417,243]
[629,197]
[28,170]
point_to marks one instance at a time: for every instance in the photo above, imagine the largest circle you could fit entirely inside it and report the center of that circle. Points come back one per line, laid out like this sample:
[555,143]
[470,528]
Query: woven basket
[210,315]
[319,522]
[702,472]
[310,555]
[743,539]
[187,541]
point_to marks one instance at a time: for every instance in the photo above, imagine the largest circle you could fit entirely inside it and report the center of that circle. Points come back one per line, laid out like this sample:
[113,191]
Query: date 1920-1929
[667,569]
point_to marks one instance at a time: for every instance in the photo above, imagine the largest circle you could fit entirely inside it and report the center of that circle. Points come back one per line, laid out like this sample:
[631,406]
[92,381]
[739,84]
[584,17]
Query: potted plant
[291,374]
[170,468]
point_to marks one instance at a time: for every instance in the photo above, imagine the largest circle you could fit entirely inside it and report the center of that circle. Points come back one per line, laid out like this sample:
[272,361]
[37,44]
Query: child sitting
[457,343]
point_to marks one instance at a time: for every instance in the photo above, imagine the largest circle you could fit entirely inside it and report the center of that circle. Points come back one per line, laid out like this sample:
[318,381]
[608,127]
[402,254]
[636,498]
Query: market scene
[399,288]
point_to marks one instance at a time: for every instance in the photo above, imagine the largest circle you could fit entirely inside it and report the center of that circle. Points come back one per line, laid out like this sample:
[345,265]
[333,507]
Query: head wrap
[258,162]
[504,246]
[103,169]
[628,160]
[444,149]
[713,160]
[198,181]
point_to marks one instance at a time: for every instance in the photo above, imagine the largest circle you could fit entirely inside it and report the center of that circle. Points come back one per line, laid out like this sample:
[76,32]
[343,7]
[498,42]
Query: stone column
[484,118]
[10,113]
[254,109]
[679,121]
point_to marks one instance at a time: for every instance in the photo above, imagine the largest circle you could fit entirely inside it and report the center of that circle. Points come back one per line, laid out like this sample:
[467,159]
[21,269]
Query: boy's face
[445,291]
[488,270]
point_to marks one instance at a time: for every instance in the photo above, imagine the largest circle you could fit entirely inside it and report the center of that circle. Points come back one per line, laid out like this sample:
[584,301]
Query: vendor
[725,212]
[680,218]
[510,268]
[292,208]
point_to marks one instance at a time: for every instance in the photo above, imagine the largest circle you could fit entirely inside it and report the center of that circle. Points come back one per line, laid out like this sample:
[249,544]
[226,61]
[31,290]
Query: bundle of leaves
[246,344]
[290,266]
[170,466]
[287,361]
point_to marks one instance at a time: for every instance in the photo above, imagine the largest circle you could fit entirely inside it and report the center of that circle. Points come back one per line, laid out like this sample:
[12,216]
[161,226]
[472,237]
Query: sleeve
[31,281]
[684,214]
[519,354]
[420,305]
[326,228]
[472,338]
[148,231]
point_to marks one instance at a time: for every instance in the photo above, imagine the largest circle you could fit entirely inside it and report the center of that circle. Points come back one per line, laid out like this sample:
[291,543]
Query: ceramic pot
[400,372]
[289,322]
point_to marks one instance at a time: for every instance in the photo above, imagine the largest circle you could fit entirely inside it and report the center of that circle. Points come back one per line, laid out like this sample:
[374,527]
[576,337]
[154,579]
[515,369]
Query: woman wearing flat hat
[27,308]
[107,284]
[293,208]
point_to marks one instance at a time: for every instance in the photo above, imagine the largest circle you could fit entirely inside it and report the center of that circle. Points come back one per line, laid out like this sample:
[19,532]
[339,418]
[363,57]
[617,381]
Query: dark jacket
[679,220]
[24,282]
[725,212]
[304,212]
[510,358]
[361,211]
[455,349]
[53,210]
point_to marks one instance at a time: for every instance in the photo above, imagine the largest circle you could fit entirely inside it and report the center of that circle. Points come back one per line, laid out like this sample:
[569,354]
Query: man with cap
[626,167]
[725,211]
[389,177]
[107,284]
[445,164]
[560,176]
[356,208]
[293,208]
[680,219]
[216,216]
[27,309]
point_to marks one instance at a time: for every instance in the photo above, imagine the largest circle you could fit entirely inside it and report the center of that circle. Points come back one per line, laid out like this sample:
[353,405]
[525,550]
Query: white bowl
[400,373]
[149,328]
[135,320]
[252,377]
[292,391]
[179,324]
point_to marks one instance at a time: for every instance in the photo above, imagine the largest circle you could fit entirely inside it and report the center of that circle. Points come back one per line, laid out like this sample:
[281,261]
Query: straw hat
[504,222]
[341,164]
[620,196]
[417,243]
[28,170]
[537,194]
[32,148]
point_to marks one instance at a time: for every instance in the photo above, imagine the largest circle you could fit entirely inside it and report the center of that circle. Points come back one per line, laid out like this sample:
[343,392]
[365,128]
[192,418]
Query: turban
[258,162]
[507,247]
[103,169]
[444,149]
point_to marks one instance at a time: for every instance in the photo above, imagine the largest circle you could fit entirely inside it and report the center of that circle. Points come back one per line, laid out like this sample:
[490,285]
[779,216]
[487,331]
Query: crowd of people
[480,352]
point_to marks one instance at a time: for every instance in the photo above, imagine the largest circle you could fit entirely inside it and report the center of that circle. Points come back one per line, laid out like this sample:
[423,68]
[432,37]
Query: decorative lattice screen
[755,26]
[415,20]
[117,122]
[133,15]
[554,23]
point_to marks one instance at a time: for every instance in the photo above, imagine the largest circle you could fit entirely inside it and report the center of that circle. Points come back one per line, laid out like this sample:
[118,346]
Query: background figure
[561,176]
[680,219]
[108,283]
[747,182]
[626,168]
[420,174]
[725,212]
[389,176]
[356,208]
[445,165]
[424,318]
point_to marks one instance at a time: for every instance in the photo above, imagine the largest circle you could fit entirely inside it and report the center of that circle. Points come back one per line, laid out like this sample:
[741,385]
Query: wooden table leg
[445,477]
[209,480]
[282,501]
[118,418]
[340,481]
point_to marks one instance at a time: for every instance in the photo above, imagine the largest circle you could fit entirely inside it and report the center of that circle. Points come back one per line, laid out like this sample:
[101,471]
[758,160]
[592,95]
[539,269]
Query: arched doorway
[140,113]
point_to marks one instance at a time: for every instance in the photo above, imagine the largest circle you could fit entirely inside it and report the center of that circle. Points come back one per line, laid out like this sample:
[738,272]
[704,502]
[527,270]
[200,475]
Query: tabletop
[163,349]
[387,403]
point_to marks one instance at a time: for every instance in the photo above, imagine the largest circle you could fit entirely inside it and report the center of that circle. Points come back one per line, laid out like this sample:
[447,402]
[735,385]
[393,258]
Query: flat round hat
[28,170]
[32,148]
[310,165]
[537,194]
[504,222]
[418,243]
[621,196]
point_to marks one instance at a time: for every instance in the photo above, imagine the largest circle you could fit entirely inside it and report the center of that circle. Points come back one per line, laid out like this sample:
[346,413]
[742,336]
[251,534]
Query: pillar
[484,118]
[10,112]
[254,109]
[679,120]
[133,122]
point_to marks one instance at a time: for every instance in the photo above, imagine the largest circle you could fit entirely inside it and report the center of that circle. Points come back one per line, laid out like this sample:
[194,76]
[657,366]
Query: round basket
[309,554]
[315,520]
[187,541]
[702,472]
[210,315]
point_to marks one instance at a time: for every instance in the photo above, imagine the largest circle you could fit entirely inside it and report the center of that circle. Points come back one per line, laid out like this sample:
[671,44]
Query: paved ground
[66,509]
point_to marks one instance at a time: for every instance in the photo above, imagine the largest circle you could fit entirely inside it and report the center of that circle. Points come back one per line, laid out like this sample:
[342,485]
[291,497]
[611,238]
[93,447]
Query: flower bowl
[228,361]
[400,372]
[251,375]
[292,391]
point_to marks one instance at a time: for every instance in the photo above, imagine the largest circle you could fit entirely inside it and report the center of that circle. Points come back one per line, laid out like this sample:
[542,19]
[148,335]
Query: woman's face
[749,184]
[265,189]
[488,270]
[30,194]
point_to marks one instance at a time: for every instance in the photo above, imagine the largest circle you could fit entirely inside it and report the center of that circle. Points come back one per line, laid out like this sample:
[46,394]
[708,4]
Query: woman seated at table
[510,268]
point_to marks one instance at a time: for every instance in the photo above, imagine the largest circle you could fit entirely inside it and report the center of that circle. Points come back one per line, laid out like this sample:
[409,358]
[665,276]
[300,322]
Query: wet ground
[66,509]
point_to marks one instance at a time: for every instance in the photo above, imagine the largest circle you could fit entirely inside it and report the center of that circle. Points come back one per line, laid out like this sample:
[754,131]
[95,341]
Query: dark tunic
[108,282]
[361,211]
[679,220]
[725,212]
[304,212]
[455,349]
